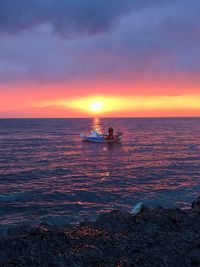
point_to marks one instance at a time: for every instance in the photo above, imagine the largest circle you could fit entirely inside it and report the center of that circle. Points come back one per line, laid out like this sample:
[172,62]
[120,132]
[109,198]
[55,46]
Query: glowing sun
[96,106]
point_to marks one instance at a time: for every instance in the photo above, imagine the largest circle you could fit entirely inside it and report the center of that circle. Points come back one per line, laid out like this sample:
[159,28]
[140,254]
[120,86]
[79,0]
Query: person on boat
[110,132]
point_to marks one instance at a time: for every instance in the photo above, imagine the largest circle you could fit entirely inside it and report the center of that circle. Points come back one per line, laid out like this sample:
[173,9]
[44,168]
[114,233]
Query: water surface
[48,174]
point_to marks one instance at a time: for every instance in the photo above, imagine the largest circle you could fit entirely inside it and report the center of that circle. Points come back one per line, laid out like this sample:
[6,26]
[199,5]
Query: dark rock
[196,204]
[18,231]
[195,261]
[158,209]
[114,221]
[161,237]
[144,208]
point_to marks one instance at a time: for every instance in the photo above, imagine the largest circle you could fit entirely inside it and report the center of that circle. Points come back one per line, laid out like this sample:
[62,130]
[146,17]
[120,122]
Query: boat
[96,137]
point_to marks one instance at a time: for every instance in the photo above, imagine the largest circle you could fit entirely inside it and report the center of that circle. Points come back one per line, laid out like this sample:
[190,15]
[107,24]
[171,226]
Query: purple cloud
[120,40]
[66,15]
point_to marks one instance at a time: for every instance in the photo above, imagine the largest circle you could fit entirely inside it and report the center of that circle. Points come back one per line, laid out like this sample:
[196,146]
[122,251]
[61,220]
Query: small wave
[10,197]
[136,209]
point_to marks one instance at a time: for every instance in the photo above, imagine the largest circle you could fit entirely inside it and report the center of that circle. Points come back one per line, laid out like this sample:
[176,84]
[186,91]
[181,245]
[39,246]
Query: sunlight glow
[96,106]
[108,104]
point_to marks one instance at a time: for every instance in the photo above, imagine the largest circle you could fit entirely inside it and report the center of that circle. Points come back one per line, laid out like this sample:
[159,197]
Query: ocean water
[48,175]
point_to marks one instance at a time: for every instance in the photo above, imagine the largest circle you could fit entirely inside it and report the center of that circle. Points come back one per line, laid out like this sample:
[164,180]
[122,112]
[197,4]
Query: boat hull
[99,140]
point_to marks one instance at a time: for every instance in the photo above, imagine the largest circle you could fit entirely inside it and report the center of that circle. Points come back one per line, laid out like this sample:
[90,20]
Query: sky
[83,58]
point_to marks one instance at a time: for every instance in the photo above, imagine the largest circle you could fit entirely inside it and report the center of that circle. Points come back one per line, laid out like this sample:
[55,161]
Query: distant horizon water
[48,175]
[100,117]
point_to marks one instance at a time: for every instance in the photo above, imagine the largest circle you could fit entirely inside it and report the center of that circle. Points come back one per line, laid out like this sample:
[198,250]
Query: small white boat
[96,137]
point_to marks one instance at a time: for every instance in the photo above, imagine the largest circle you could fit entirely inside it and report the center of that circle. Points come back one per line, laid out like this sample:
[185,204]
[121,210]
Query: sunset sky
[80,58]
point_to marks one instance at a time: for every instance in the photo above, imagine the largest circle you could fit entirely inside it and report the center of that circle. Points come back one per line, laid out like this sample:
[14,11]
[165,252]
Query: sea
[47,174]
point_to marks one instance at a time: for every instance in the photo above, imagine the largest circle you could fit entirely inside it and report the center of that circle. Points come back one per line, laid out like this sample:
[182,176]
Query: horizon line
[117,117]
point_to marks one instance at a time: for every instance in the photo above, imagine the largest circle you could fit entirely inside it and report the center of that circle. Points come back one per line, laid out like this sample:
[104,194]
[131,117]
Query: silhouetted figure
[110,131]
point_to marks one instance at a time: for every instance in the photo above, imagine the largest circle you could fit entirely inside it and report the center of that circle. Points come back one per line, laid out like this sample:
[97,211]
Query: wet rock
[158,209]
[159,237]
[17,231]
[195,261]
[196,204]
[114,221]
[144,208]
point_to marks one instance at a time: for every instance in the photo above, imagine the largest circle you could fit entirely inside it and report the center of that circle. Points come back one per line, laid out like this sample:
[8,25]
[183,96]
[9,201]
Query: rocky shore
[159,237]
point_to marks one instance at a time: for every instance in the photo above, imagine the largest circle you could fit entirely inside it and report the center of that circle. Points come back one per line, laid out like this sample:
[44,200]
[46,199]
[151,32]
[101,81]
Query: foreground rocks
[159,237]
[196,204]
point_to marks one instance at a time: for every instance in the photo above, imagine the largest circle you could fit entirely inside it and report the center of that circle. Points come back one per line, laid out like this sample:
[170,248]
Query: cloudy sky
[137,57]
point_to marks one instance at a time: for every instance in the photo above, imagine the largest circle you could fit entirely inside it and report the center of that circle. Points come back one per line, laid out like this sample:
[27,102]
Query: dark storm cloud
[151,40]
[66,16]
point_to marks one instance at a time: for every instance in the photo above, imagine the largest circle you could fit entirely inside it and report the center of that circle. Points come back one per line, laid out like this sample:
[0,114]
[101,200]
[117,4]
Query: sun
[96,106]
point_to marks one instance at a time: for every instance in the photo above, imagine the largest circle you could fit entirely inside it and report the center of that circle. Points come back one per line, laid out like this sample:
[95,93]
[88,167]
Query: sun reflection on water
[97,125]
